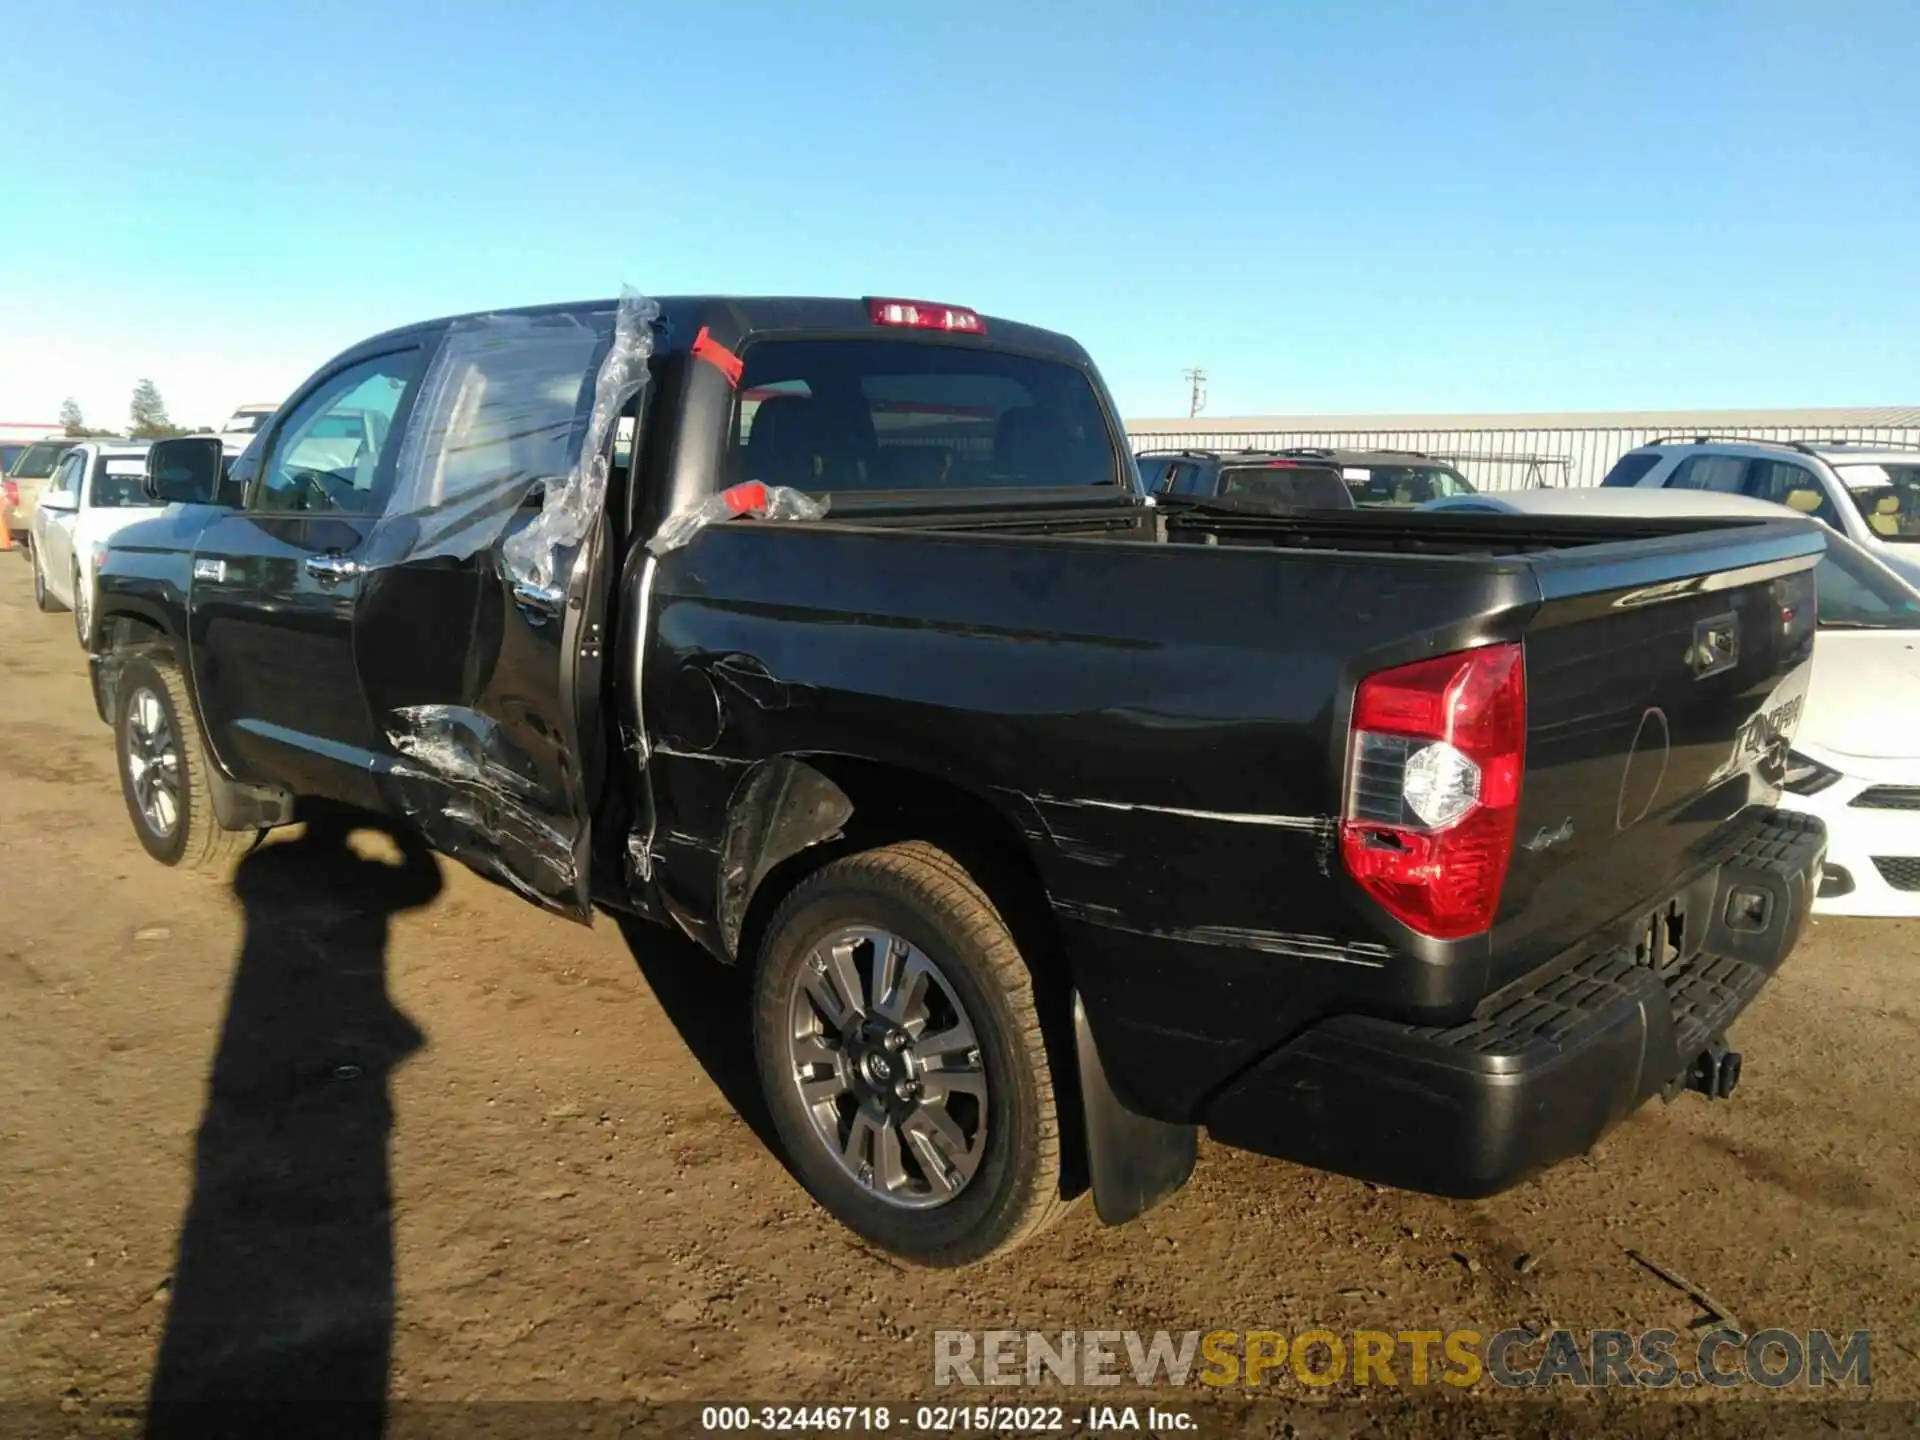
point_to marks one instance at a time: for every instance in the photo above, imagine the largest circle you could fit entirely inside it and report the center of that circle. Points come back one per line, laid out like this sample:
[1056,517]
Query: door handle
[331,569]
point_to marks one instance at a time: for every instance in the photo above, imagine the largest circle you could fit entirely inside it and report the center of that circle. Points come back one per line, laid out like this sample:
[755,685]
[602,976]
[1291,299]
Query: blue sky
[1330,206]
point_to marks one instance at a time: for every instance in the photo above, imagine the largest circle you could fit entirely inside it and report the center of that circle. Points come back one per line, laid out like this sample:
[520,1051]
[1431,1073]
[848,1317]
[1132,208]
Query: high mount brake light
[1433,789]
[925,315]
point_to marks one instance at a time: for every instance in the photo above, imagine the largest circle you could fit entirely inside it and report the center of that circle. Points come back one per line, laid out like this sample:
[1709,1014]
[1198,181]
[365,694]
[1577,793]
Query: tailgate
[1665,679]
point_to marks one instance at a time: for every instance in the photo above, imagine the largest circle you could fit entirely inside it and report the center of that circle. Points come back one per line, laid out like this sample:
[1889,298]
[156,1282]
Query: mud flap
[1133,1162]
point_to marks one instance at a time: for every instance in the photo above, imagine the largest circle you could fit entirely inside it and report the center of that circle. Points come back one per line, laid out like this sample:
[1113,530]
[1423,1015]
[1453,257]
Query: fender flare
[783,807]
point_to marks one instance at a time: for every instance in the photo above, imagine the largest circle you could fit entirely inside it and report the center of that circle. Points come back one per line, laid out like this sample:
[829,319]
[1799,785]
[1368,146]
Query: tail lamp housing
[1435,760]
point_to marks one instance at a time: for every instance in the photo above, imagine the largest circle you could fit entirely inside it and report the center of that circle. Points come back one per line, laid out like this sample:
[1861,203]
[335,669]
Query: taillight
[1433,789]
[923,315]
[10,492]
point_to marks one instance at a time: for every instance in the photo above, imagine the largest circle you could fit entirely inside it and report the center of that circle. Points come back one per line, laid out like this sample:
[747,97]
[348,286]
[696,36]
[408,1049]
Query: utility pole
[1196,391]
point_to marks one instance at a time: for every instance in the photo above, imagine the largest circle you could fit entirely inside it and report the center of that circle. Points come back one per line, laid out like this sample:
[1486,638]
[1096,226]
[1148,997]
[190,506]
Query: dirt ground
[356,1125]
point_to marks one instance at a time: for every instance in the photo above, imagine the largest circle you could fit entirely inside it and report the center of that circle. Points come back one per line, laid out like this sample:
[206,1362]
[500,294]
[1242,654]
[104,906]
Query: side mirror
[185,471]
[57,501]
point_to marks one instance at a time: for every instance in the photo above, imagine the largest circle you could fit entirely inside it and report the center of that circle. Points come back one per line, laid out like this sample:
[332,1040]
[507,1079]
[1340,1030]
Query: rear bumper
[1540,1074]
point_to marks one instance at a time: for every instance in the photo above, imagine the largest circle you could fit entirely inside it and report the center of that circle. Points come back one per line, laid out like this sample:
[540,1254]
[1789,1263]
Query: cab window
[326,456]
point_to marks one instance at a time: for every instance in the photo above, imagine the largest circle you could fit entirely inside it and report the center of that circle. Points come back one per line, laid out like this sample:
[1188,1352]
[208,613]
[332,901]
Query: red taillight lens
[1433,789]
[923,315]
[10,492]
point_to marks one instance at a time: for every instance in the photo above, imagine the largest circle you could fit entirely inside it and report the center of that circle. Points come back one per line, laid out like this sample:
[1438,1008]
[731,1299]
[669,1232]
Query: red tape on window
[706,348]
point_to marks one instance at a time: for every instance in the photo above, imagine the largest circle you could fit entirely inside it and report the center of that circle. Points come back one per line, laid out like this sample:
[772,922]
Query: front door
[480,620]
[274,584]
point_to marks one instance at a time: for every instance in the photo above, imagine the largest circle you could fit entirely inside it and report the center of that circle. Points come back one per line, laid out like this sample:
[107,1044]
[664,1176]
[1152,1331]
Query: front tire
[42,599]
[163,770]
[901,1055]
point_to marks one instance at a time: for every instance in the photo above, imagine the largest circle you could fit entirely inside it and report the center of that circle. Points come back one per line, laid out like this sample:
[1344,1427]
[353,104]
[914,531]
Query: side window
[1632,469]
[1784,483]
[325,457]
[66,479]
[1722,473]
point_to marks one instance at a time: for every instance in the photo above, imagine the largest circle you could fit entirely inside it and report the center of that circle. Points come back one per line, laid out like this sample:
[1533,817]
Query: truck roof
[682,317]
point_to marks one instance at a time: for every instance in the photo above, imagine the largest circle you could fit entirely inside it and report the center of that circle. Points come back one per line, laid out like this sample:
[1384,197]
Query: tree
[148,414]
[71,420]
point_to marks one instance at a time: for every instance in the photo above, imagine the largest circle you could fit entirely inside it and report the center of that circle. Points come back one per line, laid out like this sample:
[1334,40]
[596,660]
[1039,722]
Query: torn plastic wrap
[569,511]
[479,802]
[498,427]
[769,502]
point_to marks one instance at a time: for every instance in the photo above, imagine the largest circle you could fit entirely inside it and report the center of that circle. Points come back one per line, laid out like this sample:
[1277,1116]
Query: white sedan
[1856,759]
[97,490]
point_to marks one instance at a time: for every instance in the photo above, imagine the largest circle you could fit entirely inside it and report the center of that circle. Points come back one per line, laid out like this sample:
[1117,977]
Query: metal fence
[1509,459]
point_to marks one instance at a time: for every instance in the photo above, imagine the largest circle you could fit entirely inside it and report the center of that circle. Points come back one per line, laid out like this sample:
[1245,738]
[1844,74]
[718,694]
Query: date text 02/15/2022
[944,1419]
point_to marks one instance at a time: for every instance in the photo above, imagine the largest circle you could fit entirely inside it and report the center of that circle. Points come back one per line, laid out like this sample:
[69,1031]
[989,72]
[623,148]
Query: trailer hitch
[1715,1071]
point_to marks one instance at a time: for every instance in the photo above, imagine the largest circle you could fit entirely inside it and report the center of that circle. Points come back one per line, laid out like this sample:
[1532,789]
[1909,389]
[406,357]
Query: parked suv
[24,477]
[1868,491]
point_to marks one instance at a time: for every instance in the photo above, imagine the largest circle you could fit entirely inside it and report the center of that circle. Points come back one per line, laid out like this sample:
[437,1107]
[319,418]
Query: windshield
[1887,496]
[36,462]
[117,482]
[1401,485]
[1858,593]
[890,415]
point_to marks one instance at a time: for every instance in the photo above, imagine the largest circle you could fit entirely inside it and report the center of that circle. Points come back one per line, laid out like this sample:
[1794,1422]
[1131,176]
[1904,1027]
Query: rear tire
[951,1170]
[42,600]
[163,760]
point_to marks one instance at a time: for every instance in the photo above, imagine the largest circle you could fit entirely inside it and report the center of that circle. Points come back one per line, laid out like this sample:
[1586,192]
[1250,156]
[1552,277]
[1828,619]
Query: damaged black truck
[1055,824]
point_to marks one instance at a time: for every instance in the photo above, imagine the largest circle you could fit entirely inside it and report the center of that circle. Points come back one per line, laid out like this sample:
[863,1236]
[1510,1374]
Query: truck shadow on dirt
[711,1006]
[280,1316]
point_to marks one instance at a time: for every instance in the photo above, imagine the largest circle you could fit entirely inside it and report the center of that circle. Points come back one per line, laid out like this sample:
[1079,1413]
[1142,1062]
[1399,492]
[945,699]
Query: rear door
[274,584]
[480,623]
[53,524]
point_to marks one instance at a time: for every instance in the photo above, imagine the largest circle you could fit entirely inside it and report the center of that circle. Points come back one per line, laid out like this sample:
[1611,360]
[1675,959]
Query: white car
[97,489]
[1868,491]
[244,424]
[1856,758]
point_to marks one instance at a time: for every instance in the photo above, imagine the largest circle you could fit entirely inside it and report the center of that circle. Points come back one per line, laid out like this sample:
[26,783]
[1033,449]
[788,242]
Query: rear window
[1293,486]
[1887,497]
[1403,485]
[1721,474]
[1631,469]
[247,422]
[887,415]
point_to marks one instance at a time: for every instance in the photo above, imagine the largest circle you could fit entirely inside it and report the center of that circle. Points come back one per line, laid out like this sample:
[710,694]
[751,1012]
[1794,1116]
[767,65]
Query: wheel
[900,1051]
[162,756]
[41,597]
[82,609]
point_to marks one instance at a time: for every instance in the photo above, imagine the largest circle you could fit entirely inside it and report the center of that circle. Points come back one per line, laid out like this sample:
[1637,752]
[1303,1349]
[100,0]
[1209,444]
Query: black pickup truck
[1054,823]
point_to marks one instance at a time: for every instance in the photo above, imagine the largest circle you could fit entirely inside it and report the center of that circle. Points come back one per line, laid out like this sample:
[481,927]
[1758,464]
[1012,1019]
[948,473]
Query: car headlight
[1805,776]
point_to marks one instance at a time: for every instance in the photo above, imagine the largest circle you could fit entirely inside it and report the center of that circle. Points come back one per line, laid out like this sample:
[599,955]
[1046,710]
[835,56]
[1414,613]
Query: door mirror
[58,501]
[185,471]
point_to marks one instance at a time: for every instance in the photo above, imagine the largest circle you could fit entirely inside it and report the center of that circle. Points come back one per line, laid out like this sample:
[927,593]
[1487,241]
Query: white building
[1510,452]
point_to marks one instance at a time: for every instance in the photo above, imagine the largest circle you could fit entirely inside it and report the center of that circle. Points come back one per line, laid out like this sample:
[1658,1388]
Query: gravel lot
[356,1123]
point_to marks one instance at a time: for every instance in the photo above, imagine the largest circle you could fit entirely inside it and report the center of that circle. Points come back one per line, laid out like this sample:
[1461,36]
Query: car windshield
[893,415]
[36,462]
[117,482]
[1858,593]
[1888,498]
[1401,485]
